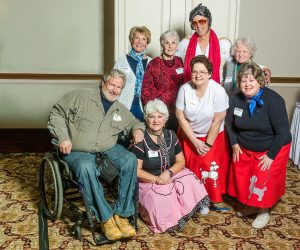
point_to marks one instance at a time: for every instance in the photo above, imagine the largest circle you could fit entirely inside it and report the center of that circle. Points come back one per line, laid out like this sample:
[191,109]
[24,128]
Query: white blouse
[200,111]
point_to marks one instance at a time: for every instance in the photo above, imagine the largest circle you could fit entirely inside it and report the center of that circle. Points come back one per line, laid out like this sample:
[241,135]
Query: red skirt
[212,168]
[254,187]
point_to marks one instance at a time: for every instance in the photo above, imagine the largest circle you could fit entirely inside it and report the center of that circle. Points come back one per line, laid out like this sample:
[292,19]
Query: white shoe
[261,220]
[204,210]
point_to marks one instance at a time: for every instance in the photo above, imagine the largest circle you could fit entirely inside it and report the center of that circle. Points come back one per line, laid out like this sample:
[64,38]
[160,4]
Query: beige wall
[51,36]
[26,104]
[273,25]
[290,93]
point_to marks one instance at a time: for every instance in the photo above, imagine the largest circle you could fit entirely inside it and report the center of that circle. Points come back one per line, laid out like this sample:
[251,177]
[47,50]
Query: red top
[162,80]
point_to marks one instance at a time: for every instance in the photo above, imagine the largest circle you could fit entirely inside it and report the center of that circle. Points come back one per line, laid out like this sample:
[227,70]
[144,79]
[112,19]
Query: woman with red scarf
[203,42]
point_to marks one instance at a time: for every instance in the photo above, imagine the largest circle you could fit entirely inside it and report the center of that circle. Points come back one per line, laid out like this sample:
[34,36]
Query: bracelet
[207,144]
[170,172]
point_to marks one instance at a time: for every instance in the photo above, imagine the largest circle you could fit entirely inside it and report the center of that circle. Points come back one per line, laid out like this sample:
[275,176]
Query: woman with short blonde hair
[134,66]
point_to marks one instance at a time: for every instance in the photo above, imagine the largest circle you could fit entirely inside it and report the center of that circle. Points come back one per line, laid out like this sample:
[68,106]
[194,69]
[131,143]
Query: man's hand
[65,147]
[138,136]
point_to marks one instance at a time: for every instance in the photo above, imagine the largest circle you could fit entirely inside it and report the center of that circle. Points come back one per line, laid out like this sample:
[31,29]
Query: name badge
[192,102]
[126,70]
[152,154]
[238,112]
[117,118]
[179,71]
[228,79]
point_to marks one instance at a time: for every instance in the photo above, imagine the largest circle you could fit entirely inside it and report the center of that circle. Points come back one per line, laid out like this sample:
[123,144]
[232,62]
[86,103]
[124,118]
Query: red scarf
[213,55]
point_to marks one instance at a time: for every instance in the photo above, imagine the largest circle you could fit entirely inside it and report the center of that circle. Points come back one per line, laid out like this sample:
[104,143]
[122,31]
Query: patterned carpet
[219,230]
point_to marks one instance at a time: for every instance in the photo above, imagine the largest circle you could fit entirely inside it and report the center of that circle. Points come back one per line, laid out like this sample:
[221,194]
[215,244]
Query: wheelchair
[58,185]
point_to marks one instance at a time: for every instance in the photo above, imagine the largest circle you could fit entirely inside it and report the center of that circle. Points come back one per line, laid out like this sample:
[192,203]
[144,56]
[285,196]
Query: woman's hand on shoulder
[267,73]
[236,151]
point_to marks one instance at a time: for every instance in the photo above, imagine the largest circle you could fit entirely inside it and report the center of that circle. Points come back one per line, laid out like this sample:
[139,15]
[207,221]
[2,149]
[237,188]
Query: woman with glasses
[134,65]
[258,130]
[164,76]
[242,51]
[200,109]
[203,42]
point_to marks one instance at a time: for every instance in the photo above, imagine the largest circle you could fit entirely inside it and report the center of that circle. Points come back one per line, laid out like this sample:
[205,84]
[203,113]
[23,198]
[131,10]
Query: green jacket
[79,117]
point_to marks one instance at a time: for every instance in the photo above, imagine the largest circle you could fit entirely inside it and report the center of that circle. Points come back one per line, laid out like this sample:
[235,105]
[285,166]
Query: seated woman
[200,109]
[242,51]
[168,192]
[258,129]
[164,76]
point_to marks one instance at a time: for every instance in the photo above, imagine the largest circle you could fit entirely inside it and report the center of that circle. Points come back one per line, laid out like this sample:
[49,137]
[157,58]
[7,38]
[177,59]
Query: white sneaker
[204,210]
[261,220]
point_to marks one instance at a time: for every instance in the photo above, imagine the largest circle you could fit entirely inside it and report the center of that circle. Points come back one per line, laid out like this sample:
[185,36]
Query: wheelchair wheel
[51,188]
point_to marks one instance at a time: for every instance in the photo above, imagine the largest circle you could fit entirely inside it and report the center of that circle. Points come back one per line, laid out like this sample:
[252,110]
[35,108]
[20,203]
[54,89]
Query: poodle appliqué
[212,174]
[255,190]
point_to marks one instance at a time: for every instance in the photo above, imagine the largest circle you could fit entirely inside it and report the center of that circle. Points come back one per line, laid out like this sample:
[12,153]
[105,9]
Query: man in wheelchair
[87,122]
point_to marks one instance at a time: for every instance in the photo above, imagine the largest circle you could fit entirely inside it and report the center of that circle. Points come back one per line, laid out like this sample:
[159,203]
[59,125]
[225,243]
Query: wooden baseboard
[25,140]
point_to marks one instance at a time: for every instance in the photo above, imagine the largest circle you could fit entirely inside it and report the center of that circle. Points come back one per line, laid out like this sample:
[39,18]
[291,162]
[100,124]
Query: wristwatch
[170,172]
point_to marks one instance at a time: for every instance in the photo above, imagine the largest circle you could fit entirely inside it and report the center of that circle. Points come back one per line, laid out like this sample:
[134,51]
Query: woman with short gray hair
[164,76]
[164,182]
[242,51]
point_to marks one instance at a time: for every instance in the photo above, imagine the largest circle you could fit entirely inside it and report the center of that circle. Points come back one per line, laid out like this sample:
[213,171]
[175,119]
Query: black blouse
[149,152]
[267,129]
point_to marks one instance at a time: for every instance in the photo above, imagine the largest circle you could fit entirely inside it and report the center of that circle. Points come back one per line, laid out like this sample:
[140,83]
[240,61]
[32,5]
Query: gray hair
[156,105]
[200,10]
[168,33]
[114,73]
[246,41]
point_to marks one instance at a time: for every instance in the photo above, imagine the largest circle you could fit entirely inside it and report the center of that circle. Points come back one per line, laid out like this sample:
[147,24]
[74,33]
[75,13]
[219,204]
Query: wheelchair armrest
[66,170]
[54,142]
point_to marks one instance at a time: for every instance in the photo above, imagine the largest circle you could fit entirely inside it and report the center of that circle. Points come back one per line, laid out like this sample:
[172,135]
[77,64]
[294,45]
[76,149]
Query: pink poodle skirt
[166,207]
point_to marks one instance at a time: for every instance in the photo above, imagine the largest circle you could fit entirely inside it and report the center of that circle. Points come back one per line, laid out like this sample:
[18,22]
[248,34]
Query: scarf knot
[255,100]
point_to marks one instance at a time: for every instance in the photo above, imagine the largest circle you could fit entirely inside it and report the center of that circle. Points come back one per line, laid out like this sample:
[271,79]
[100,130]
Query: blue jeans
[83,164]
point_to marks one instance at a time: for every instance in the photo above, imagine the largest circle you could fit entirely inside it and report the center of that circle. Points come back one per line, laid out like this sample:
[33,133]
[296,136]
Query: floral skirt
[166,207]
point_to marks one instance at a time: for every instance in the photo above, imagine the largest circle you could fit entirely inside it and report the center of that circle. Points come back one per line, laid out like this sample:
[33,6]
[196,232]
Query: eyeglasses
[202,22]
[200,73]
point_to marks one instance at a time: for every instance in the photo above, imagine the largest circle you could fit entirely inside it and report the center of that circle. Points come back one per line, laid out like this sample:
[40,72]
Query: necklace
[150,132]
[168,63]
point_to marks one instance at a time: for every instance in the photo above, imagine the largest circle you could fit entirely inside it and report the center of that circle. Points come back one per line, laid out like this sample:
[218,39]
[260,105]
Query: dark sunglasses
[202,22]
